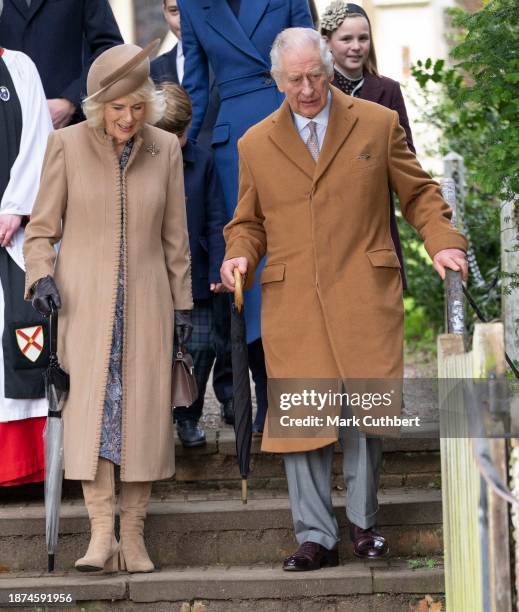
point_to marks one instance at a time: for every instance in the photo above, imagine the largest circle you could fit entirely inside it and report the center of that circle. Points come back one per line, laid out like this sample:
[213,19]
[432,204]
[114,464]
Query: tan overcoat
[83,203]
[331,289]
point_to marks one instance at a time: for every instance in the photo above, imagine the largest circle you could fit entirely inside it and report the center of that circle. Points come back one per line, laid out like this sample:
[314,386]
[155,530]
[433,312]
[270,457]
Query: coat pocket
[221,133]
[272,273]
[361,163]
[383,258]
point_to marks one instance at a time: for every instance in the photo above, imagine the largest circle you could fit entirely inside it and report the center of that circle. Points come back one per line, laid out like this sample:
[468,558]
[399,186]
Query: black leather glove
[183,326]
[43,291]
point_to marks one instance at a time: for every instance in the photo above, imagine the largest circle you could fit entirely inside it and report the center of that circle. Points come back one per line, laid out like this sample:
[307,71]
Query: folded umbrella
[56,389]
[242,401]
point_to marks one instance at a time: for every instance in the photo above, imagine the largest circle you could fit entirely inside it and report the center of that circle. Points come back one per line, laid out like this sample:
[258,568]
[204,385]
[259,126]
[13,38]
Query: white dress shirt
[180,61]
[320,119]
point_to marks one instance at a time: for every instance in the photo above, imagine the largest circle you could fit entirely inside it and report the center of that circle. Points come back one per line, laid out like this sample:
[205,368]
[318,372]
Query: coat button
[268,81]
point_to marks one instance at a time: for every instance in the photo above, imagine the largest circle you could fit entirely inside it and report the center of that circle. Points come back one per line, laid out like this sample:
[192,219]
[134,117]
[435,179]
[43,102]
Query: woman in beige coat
[112,192]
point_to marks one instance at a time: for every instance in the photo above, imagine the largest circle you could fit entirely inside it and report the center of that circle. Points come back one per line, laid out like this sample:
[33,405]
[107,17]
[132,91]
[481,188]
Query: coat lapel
[21,7]
[340,124]
[221,18]
[174,52]
[251,13]
[285,137]
[34,8]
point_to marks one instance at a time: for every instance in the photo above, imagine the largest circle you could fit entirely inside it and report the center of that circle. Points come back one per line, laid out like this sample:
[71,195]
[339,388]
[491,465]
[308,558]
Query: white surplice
[20,193]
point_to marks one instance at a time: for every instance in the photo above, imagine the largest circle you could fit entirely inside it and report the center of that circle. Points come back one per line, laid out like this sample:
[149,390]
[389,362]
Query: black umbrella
[241,385]
[56,388]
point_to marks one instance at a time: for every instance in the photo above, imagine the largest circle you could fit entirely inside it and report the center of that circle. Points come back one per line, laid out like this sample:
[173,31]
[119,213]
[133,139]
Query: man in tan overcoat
[314,199]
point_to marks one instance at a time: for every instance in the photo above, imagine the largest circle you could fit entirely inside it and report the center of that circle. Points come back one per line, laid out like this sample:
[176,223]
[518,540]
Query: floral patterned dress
[112,414]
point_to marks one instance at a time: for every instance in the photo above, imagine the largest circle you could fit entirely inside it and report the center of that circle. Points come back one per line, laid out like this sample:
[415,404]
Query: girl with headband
[347,31]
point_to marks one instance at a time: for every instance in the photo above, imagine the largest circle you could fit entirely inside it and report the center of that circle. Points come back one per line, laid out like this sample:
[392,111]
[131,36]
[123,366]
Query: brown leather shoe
[368,543]
[311,556]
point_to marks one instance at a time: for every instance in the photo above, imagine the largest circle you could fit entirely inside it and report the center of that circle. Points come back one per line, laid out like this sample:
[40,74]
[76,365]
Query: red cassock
[17,467]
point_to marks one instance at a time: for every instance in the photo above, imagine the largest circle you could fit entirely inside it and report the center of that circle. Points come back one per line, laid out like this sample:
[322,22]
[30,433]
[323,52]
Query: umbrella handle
[53,327]
[238,290]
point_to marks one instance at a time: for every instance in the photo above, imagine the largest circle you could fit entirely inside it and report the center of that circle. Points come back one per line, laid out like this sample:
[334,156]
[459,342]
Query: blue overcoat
[164,69]
[237,50]
[205,218]
[62,37]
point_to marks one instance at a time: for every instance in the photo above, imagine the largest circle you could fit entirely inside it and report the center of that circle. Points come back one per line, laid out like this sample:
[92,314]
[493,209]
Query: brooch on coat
[153,149]
[5,94]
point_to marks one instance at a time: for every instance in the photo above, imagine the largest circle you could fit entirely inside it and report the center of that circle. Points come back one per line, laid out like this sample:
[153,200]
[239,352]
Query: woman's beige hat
[119,71]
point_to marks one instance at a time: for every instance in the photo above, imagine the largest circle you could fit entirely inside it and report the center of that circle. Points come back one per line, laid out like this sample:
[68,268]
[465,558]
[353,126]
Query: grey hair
[153,98]
[1,7]
[298,38]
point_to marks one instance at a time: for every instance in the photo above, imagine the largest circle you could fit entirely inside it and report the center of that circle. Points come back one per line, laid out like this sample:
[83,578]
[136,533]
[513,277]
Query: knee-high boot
[99,494]
[133,502]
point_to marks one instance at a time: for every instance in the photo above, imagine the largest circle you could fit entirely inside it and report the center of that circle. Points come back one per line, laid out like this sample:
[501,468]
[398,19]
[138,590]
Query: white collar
[321,118]
[180,51]
[347,76]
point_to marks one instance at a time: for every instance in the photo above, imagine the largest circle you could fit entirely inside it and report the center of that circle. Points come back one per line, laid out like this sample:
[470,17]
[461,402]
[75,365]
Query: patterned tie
[313,143]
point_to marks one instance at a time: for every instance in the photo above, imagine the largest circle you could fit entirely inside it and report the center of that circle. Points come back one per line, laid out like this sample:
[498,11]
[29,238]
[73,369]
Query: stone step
[406,462]
[218,529]
[383,586]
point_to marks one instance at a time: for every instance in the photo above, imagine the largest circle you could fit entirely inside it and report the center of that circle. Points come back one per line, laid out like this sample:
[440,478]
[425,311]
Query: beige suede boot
[133,502]
[99,494]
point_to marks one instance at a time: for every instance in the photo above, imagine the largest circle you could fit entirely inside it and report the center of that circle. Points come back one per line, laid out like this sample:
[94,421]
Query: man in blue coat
[234,38]
[62,39]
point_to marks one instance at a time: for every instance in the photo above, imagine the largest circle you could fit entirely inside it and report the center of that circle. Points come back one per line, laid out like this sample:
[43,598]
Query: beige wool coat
[82,203]
[331,288]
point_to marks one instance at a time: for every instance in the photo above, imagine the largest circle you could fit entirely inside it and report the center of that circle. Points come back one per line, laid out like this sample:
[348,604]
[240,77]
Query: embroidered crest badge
[30,341]
[5,94]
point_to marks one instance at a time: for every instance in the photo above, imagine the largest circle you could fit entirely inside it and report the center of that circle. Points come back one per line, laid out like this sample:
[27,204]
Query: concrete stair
[407,462]
[360,587]
[218,531]
[217,554]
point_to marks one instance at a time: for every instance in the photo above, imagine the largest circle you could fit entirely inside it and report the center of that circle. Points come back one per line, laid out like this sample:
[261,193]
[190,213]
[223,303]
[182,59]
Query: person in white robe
[17,415]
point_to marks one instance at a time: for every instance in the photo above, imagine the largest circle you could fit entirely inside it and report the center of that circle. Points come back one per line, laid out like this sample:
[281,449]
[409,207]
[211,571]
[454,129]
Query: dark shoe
[190,433]
[227,412]
[368,543]
[311,556]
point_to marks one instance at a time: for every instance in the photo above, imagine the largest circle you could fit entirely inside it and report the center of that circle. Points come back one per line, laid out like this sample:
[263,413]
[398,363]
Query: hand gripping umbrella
[241,385]
[56,388]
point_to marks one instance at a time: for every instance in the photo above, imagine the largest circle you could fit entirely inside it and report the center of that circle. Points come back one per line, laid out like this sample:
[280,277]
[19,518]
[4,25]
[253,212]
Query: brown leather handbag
[184,390]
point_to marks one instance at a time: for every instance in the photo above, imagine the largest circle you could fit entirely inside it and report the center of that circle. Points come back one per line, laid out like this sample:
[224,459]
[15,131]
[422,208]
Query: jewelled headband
[336,12]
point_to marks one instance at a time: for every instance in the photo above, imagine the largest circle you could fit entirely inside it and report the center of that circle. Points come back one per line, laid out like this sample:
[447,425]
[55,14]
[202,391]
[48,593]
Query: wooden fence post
[477,560]
[489,363]
[460,482]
